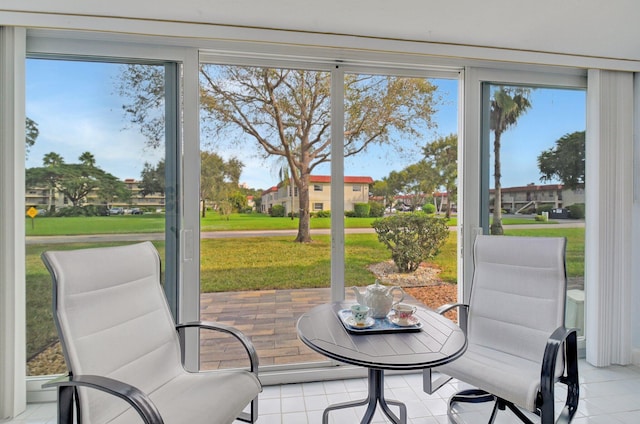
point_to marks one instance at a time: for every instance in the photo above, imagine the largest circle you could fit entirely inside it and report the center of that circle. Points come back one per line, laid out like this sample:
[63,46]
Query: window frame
[183,298]
[475,173]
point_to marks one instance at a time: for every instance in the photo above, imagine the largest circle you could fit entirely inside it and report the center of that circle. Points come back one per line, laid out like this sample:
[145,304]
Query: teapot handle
[402,294]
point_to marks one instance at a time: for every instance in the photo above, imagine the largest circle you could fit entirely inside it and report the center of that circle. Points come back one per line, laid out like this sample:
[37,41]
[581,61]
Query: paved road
[95,238]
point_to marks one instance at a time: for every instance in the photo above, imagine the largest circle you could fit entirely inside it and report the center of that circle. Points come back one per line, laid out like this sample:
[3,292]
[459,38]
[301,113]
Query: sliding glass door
[101,170]
[273,185]
[534,180]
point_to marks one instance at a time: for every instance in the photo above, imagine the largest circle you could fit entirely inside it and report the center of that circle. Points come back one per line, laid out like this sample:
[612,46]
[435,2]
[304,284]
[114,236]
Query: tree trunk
[304,224]
[204,208]
[496,226]
[448,212]
[51,202]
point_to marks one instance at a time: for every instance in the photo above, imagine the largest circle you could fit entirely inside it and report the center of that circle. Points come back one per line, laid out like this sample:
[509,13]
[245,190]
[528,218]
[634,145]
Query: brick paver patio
[268,317]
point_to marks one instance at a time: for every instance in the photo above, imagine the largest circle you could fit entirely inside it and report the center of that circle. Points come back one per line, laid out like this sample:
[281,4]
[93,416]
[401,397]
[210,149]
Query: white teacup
[360,314]
[403,312]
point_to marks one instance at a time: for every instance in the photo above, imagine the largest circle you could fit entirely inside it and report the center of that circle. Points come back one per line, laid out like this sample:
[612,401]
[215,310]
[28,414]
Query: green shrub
[361,209]
[88,210]
[412,238]
[576,211]
[323,214]
[542,218]
[376,210]
[429,208]
[277,211]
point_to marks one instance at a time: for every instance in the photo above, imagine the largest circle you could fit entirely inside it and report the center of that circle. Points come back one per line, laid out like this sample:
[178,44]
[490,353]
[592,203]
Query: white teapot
[378,298]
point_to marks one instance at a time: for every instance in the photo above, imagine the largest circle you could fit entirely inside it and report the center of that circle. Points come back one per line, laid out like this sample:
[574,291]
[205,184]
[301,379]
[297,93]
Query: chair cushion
[507,376]
[215,397]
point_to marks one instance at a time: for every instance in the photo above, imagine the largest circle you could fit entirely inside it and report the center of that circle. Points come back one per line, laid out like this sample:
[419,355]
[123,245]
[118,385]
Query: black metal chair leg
[480,396]
[65,404]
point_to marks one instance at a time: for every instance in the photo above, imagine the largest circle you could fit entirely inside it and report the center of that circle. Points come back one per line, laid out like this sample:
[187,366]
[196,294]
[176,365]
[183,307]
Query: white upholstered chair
[518,347]
[123,349]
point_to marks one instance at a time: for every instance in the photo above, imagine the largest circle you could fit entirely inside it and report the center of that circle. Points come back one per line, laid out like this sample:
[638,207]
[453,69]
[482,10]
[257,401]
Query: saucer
[352,323]
[412,321]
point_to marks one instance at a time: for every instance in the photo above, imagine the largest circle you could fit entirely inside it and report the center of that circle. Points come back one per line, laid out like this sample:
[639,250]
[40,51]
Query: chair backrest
[113,320]
[518,293]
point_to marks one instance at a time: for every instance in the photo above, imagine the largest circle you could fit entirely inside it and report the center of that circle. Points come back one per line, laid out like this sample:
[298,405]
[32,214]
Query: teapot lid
[377,287]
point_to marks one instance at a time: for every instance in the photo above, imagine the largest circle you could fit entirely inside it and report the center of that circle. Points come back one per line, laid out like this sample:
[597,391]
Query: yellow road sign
[32,212]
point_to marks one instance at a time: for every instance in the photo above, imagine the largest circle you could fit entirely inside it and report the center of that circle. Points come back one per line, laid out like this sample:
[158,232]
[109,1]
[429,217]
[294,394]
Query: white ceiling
[594,28]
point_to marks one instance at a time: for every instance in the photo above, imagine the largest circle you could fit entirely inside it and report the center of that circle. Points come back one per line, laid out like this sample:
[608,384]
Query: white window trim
[12,220]
[43,46]
[473,165]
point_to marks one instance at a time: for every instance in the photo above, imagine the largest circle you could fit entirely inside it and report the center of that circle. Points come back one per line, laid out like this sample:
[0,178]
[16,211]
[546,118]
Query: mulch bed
[423,284]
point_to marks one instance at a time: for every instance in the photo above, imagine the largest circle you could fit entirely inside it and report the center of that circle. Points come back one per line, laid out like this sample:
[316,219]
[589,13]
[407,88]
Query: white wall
[593,28]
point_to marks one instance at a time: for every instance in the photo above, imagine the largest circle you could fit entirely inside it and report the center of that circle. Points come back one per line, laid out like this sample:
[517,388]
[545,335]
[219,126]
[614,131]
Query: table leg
[375,396]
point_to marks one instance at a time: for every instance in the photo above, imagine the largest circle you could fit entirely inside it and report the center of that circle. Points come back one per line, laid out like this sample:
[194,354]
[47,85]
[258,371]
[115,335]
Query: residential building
[356,190]
[530,197]
[42,198]
[269,198]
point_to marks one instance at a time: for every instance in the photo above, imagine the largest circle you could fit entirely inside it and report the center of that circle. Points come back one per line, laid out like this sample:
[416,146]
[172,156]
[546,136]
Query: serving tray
[381,325]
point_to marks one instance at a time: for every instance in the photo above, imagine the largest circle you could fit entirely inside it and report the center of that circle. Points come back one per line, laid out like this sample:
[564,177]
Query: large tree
[112,189]
[442,155]
[152,179]
[219,180]
[50,160]
[417,181]
[507,105]
[565,161]
[287,114]
[74,180]
[31,133]
[382,188]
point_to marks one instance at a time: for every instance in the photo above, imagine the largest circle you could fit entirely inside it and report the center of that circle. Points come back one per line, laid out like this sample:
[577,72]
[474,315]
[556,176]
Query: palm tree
[87,159]
[52,160]
[507,105]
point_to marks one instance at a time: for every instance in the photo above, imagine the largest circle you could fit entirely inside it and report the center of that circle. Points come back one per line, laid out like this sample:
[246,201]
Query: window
[399,174]
[317,187]
[318,206]
[56,101]
[542,148]
[292,276]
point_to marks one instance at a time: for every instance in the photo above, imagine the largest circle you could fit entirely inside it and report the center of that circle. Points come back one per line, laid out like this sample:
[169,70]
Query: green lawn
[154,223]
[575,245]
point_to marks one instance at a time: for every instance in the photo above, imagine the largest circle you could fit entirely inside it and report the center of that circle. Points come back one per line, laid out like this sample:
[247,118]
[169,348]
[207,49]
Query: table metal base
[376,395]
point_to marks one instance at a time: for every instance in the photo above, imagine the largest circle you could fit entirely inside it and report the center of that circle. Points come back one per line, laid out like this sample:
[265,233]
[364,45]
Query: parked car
[116,211]
[136,211]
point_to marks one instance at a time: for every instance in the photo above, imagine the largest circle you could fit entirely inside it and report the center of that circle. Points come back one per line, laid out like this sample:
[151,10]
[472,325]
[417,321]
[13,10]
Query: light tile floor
[607,396]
